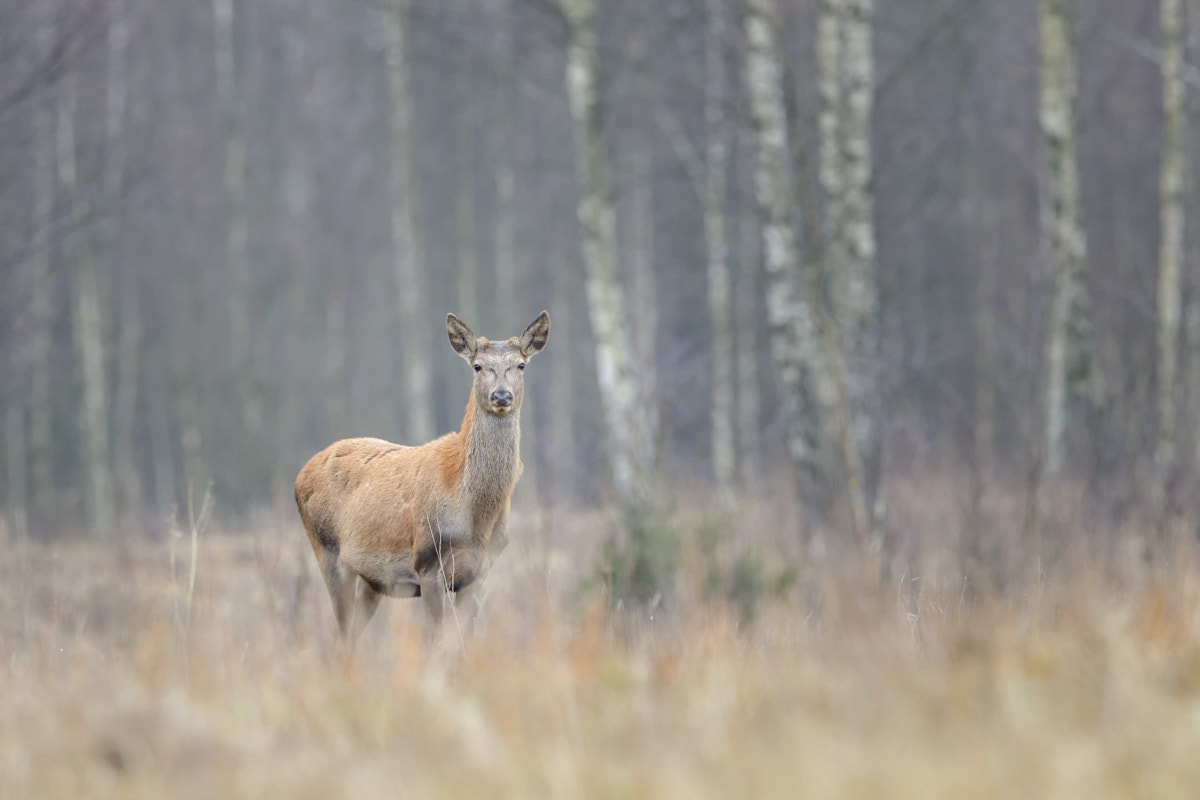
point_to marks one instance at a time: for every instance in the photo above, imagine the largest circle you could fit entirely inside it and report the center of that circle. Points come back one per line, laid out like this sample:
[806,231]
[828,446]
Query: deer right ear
[534,337]
[461,338]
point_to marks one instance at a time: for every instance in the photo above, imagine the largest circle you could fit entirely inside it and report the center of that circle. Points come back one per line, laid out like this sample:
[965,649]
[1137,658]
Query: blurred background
[789,248]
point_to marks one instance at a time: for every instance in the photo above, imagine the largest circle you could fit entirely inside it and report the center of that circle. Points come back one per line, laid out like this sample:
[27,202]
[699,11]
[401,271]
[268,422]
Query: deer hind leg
[354,601]
[440,640]
[366,600]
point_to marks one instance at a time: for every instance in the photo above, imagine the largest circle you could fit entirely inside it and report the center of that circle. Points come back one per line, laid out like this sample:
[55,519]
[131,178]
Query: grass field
[1077,680]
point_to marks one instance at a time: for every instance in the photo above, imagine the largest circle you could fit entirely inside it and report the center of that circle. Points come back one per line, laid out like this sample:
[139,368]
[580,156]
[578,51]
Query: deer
[428,520]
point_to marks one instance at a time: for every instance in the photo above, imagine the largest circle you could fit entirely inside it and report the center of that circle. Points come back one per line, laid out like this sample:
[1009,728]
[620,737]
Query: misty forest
[875,339]
[793,248]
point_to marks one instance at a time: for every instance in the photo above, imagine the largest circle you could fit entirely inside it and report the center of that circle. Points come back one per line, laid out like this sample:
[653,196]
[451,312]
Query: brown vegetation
[1079,679]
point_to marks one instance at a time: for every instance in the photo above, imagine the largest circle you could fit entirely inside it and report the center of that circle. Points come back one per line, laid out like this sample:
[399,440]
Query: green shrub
[639,568]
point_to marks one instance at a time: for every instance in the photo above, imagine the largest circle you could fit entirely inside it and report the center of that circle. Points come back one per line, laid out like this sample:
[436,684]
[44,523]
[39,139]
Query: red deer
[388,519]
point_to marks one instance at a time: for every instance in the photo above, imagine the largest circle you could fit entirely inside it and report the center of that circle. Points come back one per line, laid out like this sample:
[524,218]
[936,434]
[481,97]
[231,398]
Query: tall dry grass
[900,676]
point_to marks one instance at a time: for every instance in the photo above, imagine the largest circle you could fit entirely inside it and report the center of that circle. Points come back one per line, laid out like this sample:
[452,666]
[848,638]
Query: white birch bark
[1068,344]
[861,299]
[1171,221]
[720,291]
[845,78]
[792,332]
[831,120]
[416,382]
[630,443]
[89,328]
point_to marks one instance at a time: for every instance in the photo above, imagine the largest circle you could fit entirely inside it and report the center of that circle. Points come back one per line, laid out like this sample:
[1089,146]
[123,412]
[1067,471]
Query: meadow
[142,668]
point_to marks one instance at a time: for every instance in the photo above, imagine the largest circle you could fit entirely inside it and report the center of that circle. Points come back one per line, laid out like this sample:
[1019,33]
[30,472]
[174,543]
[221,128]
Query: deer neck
[492,458]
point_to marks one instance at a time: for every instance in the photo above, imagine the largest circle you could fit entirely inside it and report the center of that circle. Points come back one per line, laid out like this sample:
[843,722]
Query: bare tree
[128,302]
[233,176]
[793,334]
[629,439]
[845,78]
[406,250]
[41,440]
[86,305]
[746,352]
[1070,348]
[465,212]
[720,292]
[1172,170]
[1191,324]
[500,13]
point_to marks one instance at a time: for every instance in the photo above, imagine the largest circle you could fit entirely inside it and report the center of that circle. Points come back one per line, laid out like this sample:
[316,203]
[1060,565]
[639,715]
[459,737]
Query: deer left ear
[534,337]
[461,338]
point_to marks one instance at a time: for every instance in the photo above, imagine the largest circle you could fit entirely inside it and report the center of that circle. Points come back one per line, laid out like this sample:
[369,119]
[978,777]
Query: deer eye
[478,368]
[521,365]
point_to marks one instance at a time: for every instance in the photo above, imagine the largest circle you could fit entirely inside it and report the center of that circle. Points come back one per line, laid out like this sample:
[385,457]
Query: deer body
[390,519]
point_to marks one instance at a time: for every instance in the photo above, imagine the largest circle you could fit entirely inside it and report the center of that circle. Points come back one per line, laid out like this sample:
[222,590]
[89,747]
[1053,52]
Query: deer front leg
[468,605]
[468,601]
[434,597]
[499,538]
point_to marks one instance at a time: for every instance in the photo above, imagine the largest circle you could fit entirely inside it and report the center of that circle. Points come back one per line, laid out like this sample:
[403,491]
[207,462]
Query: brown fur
[419,521]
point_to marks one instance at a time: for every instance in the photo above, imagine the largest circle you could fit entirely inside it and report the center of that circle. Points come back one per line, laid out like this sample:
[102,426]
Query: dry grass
[1080,685]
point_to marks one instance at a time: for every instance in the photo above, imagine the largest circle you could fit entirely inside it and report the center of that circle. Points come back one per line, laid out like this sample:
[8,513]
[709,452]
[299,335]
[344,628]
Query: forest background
[790,249]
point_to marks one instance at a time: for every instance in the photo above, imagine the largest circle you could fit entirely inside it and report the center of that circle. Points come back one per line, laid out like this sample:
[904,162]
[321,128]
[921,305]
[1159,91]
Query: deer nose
[502,397]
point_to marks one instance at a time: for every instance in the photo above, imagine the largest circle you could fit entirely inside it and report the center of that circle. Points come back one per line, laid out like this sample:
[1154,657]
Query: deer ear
[534,337]
[461,338]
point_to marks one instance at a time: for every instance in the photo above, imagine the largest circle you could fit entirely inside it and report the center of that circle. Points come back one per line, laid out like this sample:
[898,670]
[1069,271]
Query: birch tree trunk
[983,429]
[1191,362]
[129,325]
[464,216]
[792,333]
[1070,352]
[831,123]
[233,178]
[503,170]
[643,279]
[860,303]
[465,213]
[416,383]
[748,397]
[1170,253]
[709,173]
[89,328]
[336,300]
[159,396]
[845,78]
[630,443]
[560,483]
[41,434]
[15,473]
[298,224]
[720,291]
